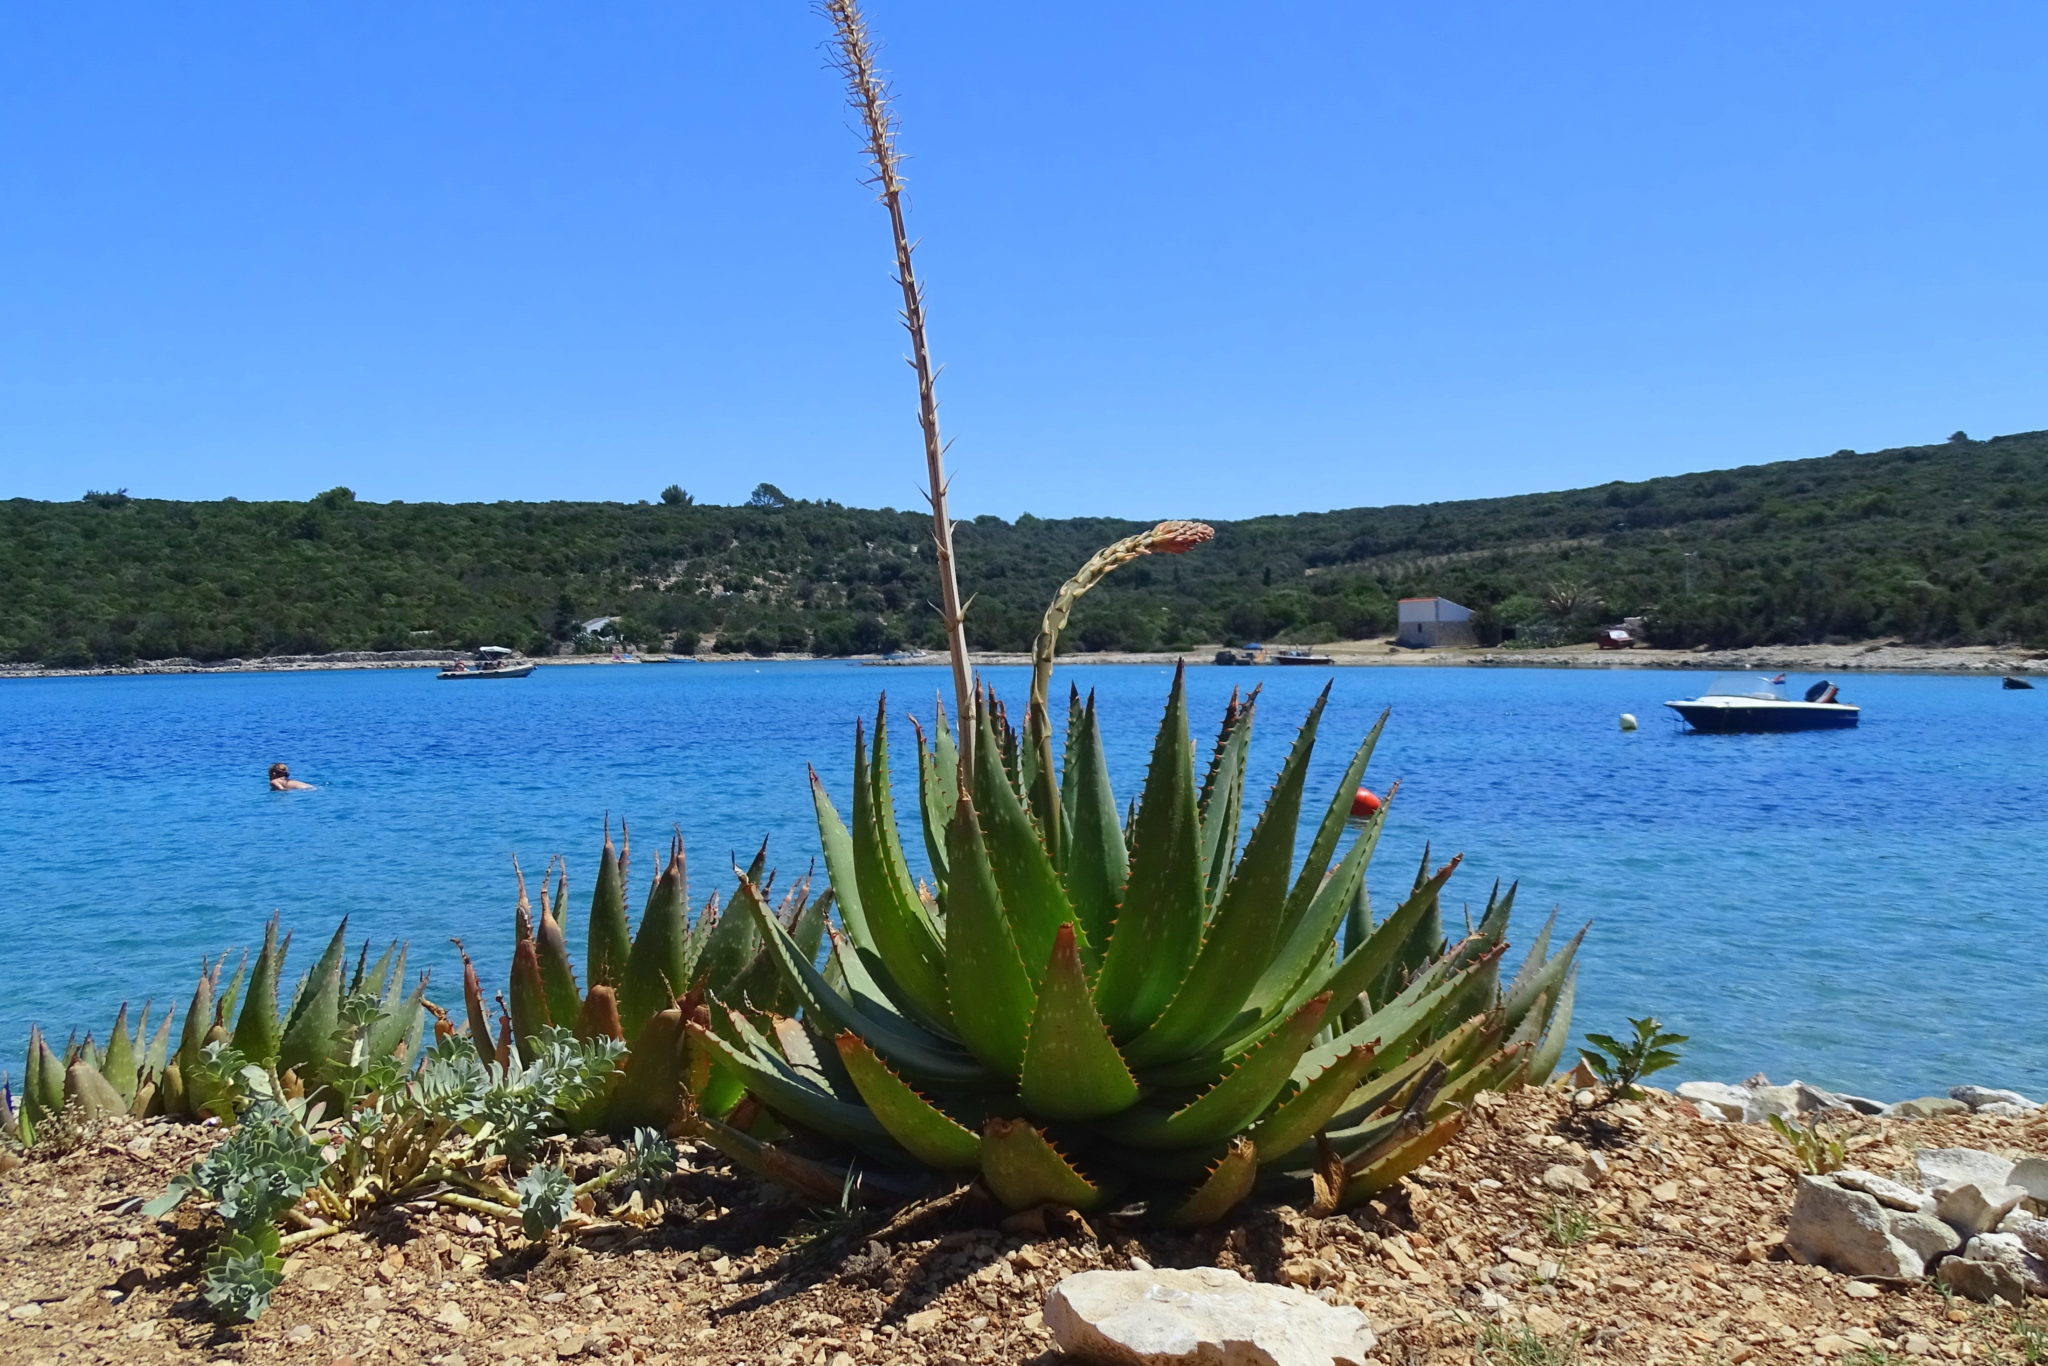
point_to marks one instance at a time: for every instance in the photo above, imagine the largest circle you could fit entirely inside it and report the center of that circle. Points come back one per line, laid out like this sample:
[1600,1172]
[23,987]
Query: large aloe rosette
[1080,1006]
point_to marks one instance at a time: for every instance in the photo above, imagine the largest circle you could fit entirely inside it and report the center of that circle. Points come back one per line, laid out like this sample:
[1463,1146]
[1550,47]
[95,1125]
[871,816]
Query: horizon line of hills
[1942,544]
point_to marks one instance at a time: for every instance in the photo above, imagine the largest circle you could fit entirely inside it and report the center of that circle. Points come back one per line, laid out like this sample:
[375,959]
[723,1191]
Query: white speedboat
[1754,704]
[493,661]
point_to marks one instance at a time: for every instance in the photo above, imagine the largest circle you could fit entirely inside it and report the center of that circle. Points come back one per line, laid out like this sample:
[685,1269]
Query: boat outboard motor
[1813,694]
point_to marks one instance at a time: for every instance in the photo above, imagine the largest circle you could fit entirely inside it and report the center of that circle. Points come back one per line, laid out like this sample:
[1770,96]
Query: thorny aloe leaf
[1222,799]
[1159,926]
[1096,861]
[902,933]
[1232,1104]
[308,1042]
[926,1132]
[1022,1168]
[1071,1069]
[1229,1182]
[256,1035]
[656,972]
[610,938]
[1246,928]
[1034,901]
[985,972]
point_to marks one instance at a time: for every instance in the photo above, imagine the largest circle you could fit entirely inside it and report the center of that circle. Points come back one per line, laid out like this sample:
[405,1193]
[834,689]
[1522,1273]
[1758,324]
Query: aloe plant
[139,1073]
[117,1078]
[1079,1009]
[641,985]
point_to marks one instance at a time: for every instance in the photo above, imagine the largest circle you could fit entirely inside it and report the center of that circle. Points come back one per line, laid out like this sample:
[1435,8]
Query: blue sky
[1188,258]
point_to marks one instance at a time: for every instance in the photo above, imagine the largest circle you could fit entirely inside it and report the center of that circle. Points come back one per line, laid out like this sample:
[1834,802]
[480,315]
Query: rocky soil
[1642,1234]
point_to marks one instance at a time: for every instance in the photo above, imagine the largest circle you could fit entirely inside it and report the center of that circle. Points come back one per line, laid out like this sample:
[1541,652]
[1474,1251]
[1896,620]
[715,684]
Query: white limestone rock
[1204,1316]
[1888,1192]
[1925,1107]
[1957,1166]
[1566,1179]
[1975,1207]
[1715,1100]
[2030,1174]
[2004,1109]
[2032,1233]
[1977,1097]
[1792,1101]
[1925,1234]
[2009,1251]
[1847,1231]
[1981,1281]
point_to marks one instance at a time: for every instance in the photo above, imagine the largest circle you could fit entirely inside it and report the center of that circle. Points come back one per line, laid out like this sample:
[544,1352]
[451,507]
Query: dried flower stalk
[1168,538]
[868,94]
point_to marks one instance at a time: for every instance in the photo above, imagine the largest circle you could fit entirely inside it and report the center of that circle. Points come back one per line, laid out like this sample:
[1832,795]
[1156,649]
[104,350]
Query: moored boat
[1754,705]
[1301,657]
[492,661]
[2017,684]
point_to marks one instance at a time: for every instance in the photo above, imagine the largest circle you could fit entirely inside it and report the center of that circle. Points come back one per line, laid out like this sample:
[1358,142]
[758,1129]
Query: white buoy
[1628,721]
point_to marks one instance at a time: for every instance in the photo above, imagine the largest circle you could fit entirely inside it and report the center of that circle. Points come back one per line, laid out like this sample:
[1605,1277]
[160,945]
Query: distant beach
[1880,656]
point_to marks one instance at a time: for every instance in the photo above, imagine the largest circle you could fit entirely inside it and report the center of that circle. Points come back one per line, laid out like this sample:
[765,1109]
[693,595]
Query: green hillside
[1944,544]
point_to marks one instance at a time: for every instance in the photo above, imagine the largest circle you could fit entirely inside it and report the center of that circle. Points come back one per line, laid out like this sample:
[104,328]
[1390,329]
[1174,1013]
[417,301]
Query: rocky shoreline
[1863,657]
[1977,1221]
[1756,1100]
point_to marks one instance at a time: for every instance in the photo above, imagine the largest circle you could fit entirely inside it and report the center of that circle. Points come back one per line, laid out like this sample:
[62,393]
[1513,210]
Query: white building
[1427,623]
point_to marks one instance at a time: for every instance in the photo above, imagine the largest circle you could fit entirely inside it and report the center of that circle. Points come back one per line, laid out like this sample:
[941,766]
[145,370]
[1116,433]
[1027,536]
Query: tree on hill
[1939,544]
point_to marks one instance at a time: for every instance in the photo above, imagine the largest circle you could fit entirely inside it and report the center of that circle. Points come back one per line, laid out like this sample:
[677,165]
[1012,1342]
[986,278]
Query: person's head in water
[281,780]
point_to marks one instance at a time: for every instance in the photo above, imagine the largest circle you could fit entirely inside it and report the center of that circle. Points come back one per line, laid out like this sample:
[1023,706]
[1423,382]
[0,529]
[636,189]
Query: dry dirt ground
[1491,1256]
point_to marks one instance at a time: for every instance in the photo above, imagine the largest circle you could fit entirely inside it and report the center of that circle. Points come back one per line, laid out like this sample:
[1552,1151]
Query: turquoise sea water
[1861,908]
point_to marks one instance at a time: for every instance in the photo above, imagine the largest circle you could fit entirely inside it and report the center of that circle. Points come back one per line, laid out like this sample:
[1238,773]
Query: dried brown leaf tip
[1177,538]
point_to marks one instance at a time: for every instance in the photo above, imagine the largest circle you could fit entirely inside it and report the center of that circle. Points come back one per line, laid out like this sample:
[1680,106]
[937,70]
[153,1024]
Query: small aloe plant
[641,986]
[141,1074]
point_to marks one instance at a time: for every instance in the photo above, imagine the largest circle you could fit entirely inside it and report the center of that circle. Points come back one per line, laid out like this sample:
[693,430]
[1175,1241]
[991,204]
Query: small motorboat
[1301,657]
[1743,704]
[492,661]
[2012,684]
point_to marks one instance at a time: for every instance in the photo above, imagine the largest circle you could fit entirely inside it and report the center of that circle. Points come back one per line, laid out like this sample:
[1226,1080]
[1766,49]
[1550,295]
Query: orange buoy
[1365,802]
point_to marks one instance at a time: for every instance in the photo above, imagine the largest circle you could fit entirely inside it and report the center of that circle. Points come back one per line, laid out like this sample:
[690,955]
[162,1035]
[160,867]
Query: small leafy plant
[263,1169]
[1518,1344]
[1567,1223]
[444,1133]
[2032,1337]
[1816,1146]
[1620,1065]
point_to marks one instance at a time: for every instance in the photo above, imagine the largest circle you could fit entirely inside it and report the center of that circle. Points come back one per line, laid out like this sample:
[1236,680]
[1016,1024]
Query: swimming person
[281,780]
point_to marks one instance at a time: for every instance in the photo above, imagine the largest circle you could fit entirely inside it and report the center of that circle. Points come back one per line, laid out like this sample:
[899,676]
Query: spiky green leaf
[1071,1069]
[926,1132]
[1021,1168]
[1159,926]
